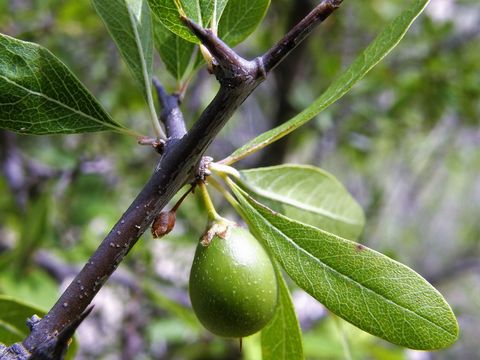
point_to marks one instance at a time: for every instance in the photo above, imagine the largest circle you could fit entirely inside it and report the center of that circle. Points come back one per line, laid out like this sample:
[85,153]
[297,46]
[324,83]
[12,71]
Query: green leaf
[371,56]
[39,95]
[240,18]
[307,194]
[236,19]
[36,286]
[130,25]
[364,287]
[168,13]
[34,231]
[218,8]
[175,52]
[13,326]
[282,337]
[13,316]
[9,334]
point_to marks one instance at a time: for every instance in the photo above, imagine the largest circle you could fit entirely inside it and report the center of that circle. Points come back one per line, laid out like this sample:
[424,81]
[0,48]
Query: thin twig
[171,115]
[225,56]
[299,32]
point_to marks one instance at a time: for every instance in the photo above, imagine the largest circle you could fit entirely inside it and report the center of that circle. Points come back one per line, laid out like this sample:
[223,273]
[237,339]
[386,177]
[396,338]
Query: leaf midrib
[238,21]
[79,112]
[300,249]
[145,73]
[12,328]
[302,206]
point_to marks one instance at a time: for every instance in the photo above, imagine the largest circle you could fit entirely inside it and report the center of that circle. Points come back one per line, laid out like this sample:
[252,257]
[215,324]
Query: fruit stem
[223,170]
[211,212]
[179,202]
[229,197]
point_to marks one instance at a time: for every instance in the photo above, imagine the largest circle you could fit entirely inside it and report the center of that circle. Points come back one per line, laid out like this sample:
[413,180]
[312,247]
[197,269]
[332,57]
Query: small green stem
[237,206]
[223,170]
[214,19]
[229,197]
[231,159]
[211,212]
[153,116]
[146,78]
[179,202]
[180,8]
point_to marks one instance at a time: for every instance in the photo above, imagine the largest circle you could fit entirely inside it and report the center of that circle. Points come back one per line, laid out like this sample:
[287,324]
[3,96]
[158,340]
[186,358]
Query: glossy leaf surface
[168,13]
[40,95]
[240,18]
[175,51]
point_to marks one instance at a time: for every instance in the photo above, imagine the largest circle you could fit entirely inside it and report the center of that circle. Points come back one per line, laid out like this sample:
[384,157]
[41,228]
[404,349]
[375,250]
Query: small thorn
[223,54]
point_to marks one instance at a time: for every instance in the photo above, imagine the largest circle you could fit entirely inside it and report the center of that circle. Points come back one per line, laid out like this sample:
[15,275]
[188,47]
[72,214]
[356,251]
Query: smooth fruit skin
[233,287]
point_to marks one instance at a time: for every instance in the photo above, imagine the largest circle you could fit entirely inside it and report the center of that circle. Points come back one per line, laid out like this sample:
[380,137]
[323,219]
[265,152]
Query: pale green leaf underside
[40,95]
[13,315]
[175,52]
[307,194]
[130,25]
[282,337]
[167,13]
[371,56]
[240,18]
[364,287]
[218,8]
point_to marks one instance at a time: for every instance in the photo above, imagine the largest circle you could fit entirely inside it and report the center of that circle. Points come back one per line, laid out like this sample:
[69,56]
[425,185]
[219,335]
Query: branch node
[171,115]
[31,322]
[298,33]
[181,157]
[203,169]
[156,143]
[260,67]
[228,63]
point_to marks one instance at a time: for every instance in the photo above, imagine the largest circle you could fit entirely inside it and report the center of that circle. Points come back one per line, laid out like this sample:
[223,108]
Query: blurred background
[405,141]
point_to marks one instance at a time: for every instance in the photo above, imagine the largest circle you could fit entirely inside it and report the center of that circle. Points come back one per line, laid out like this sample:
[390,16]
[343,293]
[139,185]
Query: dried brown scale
[163,224]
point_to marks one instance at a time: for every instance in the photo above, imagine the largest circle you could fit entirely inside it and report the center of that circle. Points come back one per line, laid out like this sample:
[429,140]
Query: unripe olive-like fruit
[233,287]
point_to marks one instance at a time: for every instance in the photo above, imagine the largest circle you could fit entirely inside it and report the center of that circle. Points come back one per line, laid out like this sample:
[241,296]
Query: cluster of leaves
[40,95]
[368,289]
[307,215]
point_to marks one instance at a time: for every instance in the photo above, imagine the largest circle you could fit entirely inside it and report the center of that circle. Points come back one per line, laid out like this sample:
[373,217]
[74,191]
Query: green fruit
[233,287]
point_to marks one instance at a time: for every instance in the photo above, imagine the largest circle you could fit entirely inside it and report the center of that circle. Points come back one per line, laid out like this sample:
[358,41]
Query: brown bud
[163,224]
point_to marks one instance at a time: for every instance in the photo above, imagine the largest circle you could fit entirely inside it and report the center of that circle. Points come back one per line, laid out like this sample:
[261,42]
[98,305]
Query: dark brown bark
[177,166]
